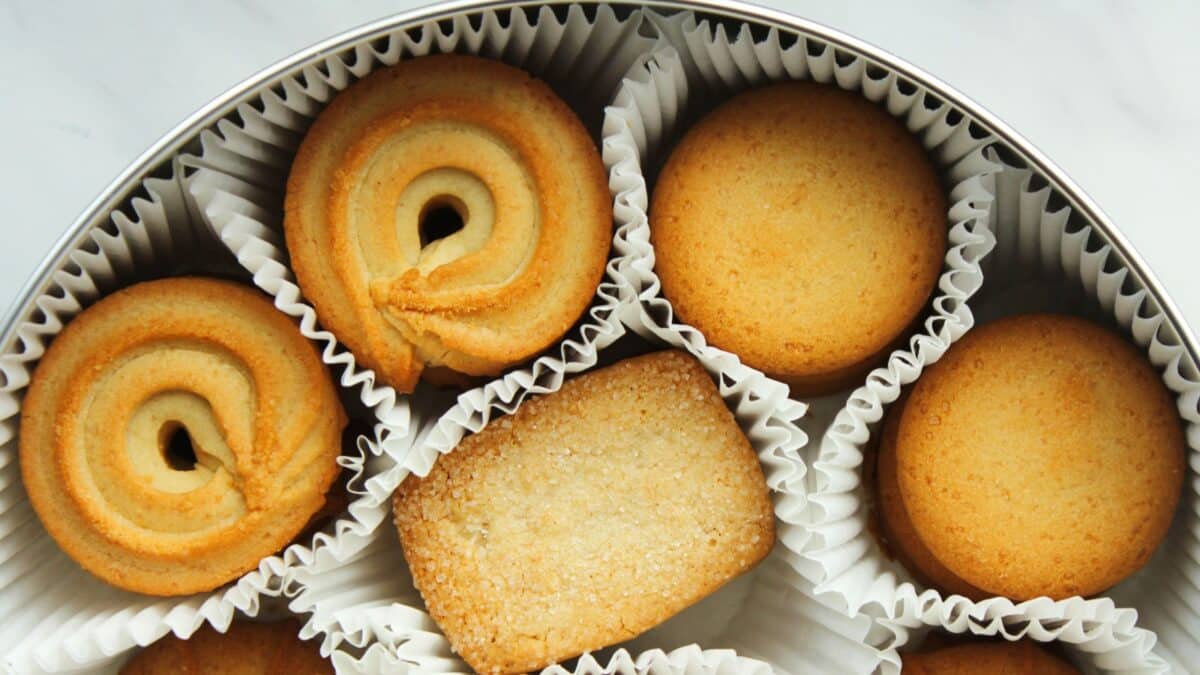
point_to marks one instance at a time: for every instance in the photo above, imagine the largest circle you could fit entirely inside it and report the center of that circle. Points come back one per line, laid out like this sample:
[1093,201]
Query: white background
[1106,90]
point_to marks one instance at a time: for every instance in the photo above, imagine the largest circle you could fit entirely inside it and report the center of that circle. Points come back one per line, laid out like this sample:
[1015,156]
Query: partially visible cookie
[587,517]
[802,228]
[987,658]
[1042,455]
[247,648]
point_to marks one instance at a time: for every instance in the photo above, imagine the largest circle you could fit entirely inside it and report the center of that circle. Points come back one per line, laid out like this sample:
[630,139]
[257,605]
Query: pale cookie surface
[177,432]
[1042,455]
[400,159]
[800,227]
[247,648]
[987,658]
[587,517]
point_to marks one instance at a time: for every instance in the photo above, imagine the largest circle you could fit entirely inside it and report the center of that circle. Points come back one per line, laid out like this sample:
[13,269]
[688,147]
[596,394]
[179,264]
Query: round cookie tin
[187,131]
[1040,621]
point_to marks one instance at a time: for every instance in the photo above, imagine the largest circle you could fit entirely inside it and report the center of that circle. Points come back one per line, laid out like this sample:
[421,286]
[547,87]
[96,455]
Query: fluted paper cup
[368,609]
[1046,259]
[242,166]
[58,617]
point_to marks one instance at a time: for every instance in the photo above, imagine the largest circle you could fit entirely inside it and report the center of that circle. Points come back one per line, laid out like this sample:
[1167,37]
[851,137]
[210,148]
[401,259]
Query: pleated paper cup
[1046,259]
[1098,637]
[838,553]
[60,618]
[271,610]
[702,66]
[368,610]
[239,175]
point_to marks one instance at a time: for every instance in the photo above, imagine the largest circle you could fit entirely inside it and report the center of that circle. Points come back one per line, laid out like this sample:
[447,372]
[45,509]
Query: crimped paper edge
[231,201]
[112,257]
[774,434]
[623,143]
[1078,622]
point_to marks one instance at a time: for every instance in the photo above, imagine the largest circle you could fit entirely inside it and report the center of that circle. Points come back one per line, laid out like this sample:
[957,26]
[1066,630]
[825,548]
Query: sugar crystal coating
[587,517]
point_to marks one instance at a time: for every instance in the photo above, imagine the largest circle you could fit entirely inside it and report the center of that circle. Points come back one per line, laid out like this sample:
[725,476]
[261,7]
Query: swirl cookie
[587,517]
[447,214]
[177,432]
[987,658]
[247,648]
[802,228]
[1041,456]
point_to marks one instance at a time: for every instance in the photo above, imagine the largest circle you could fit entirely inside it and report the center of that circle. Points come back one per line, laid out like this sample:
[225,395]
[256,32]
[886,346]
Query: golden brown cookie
[177,432]
[901,539]
[802,228]
[997,657]
[587,517]
[1042,455]
[448,213]
[247,648]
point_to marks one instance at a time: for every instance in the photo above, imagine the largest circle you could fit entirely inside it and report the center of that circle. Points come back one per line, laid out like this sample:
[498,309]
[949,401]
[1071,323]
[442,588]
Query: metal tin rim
[220,106]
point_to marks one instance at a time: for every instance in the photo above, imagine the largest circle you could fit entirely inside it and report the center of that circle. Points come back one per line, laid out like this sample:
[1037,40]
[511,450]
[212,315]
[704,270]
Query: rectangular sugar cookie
[587,517]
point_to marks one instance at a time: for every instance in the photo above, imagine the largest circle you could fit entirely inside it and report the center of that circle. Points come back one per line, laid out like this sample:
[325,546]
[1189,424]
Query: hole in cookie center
[441,217]
[177,448]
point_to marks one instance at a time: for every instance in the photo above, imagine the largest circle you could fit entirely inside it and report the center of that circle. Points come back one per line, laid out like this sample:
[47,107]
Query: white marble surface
[1106,90]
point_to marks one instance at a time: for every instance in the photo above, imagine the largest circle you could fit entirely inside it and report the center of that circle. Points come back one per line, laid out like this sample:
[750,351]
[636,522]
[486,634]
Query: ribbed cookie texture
[587,517]
[471,139]
[247,648]
[208,358]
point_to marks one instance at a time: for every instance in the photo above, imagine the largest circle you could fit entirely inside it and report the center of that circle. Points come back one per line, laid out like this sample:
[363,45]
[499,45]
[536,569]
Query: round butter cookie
[802,228]
[1041,456]
[448,214]
[987,658]
[247,648]
[176,433]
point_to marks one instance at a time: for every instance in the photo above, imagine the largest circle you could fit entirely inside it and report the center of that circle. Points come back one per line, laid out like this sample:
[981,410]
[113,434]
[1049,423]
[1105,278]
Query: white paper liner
[1042,253]
[243,163]
[370,612]
[703,66]
[57,616]
[271,609]
[709,67]
[391,633]
[1097,636]
[840,555]
[376,660]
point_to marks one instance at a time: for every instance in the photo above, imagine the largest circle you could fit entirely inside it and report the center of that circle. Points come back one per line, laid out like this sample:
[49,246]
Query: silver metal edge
[222,105]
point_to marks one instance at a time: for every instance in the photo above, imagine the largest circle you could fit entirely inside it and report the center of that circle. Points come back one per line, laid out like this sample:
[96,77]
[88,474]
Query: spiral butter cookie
[589,516]
[177,432]
[247,648]
[802,228]
[1041,456]
[448,213]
